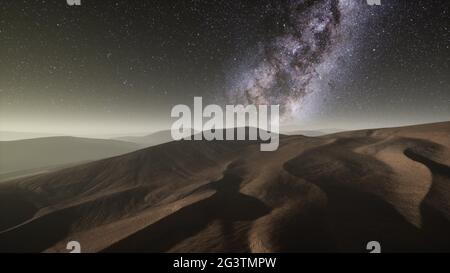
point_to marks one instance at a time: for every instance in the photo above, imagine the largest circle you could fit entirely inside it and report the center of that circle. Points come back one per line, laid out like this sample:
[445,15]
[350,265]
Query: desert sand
[332,193]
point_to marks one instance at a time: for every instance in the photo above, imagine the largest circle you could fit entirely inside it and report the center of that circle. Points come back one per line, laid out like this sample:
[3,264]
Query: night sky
[118,67]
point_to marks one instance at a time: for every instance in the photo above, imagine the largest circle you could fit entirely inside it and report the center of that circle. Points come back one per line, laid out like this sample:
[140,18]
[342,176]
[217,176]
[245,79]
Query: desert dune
[333,193]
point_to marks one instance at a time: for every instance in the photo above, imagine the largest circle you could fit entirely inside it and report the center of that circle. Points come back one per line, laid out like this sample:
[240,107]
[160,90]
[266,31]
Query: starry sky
[118,67]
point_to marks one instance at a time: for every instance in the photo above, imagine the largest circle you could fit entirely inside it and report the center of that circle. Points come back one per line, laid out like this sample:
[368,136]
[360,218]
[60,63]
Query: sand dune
[325,194]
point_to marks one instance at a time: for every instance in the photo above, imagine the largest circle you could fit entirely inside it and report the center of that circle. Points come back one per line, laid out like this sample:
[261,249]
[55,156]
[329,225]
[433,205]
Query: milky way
[118,67]
[291,66]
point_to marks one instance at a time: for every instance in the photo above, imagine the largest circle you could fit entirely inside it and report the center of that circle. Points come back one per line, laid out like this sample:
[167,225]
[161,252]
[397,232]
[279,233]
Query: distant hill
[312,133]
[149,140]
[32,155]
[154,139]
[11,135]
[306,133]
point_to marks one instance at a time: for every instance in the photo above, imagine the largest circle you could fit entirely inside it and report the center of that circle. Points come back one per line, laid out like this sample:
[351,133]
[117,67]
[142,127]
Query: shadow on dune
[227,205]
[435,224]
[15,209]
[352,217]
[435,167]
[39,234]
[305,230]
